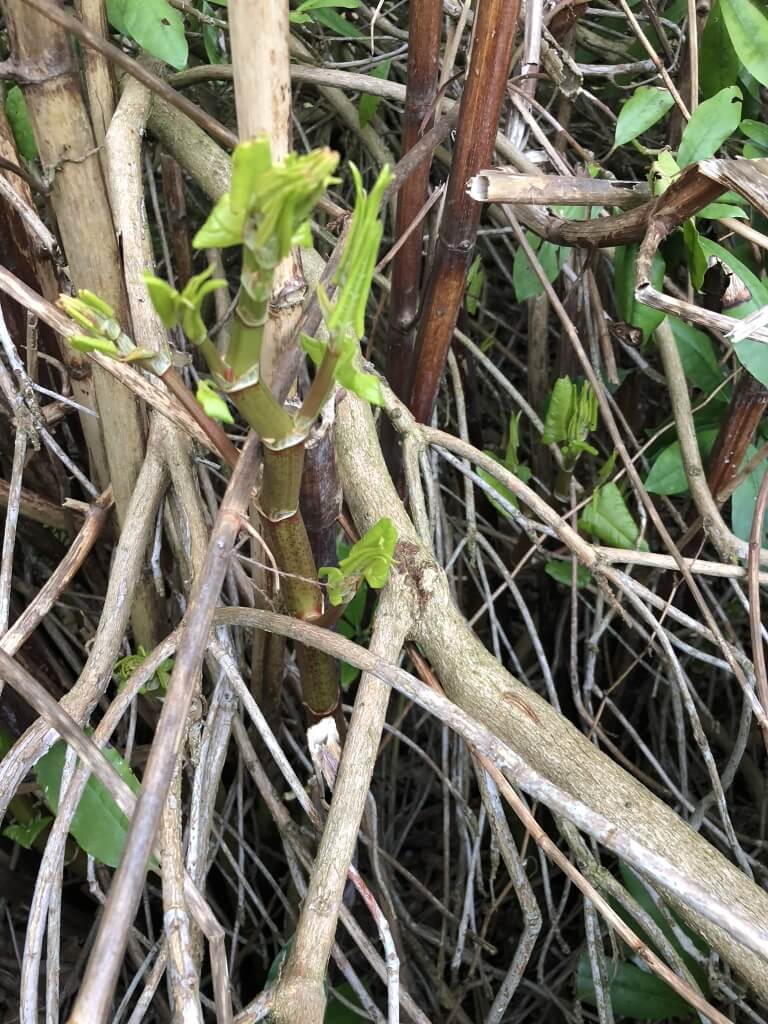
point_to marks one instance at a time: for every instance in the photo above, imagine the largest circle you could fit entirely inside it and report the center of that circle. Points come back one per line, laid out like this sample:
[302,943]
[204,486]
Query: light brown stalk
[79,198]
[95,995]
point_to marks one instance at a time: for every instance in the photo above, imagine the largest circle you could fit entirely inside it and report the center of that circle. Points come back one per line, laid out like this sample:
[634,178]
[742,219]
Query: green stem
[289,544]
[319,391]
[263,413]
[250,316]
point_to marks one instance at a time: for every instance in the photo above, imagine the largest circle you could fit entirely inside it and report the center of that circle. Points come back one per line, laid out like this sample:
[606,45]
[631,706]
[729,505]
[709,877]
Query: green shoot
[370,559]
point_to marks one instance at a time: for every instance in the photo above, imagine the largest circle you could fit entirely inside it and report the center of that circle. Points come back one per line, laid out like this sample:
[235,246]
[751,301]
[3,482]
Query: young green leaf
[347,372]
[164,298]
[697,354]
[369,559]
[643,109]
[87,343]
[744,499]
[27,832]
[714,121]
[475,282]
[747,24]
[631,311]
[212,36]
[18,117]
[212,402]
[156,26]
[667,474]
[718,62]
[99,826]
[561,571]
[635,994]
[562,406]
[608,518]
[524,278]
[368,103]
[755,130]
[697,260]
[718,211]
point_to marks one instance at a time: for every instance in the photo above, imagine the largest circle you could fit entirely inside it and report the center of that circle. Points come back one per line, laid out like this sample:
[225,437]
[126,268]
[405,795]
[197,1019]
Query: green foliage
[718,61]
[710,125]
[368,104]
[747,24]
[325,12]
[211,36]
[184,307]
[370,559]
[643,109]
[99,827]
[475,284]
[608,518]
[571,416]
[697,354]
[757,131]
[630,310]
[524,278]
[744,499]
[352,625]
[667,474]
[213,404]
[267,206]
[157,685]
[635,993]
[751,354]
[344,316]
[510,461]
[103,333]
[25,833]
[154,25]
[562,572]
[663,172]
[697,260]
[18,117]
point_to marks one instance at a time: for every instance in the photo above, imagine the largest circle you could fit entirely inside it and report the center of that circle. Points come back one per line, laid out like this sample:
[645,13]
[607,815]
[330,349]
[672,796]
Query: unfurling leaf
[370,559]
[571,415]
[18,117]
[212,402]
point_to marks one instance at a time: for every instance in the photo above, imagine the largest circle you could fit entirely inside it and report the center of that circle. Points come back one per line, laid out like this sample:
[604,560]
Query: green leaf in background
[18,117]
[697,260]
[716,211]
[718,62]
[26,834]
[747,24]
[667,474]
[552,257]
[213,404]
[211,37]
[369,104]
[561,571]
[744,499]
[751,354]
[644,108]
[635,993]
[608,518]
[714,121]
[755,130]
[475,282]
[697,354]
[99,826]
[337,1012]
[631,311]
[157,27]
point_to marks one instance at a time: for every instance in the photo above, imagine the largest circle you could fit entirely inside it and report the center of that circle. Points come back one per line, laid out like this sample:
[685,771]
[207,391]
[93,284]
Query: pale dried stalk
[127,566]
[300,994]
[544,741]
[98,985]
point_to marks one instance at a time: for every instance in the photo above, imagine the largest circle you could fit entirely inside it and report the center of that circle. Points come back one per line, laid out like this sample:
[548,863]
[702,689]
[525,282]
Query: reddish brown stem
[478,117]
[423,51]
[737,431]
